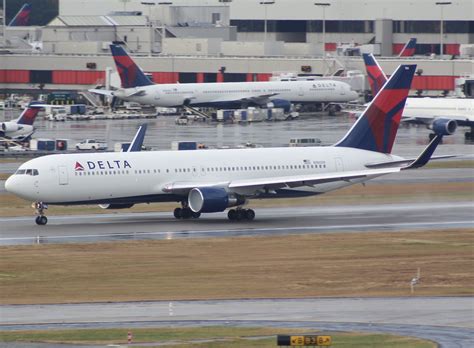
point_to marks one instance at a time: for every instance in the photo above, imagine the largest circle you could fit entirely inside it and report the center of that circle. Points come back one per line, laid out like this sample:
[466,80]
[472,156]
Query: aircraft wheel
[186,213]
[41,220]
[177,213]
[232,214]
[469,135]
[196,215]
[250,214]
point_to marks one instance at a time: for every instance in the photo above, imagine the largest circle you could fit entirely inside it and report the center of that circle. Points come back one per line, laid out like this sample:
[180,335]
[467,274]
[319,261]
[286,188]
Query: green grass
[450,164]
[212,336]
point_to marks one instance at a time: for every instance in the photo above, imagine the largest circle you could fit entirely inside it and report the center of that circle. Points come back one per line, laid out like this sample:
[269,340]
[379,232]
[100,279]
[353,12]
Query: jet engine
[212,200]
[116,206]
[443,126]
[10,127]
[280,103]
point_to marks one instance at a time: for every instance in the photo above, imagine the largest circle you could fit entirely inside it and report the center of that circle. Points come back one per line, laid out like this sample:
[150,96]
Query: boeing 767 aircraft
[137,87]
[208,181]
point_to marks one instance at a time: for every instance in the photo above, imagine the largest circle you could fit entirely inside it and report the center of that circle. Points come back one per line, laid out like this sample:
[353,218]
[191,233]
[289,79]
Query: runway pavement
[269,221]
[447,320]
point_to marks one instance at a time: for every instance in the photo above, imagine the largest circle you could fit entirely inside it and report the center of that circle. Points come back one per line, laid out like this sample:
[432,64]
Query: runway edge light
[304,340]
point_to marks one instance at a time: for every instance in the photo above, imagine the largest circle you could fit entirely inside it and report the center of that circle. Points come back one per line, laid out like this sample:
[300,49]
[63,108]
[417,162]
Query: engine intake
[443,126]
[280,103]
[116,206]
[212,200]
[10,127]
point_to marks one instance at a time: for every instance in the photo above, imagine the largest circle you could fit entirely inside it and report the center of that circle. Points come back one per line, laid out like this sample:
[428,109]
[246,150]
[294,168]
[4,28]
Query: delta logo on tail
[130,74]
[375,73]
[409,49]
[22,17]
[376,129]
[78,167]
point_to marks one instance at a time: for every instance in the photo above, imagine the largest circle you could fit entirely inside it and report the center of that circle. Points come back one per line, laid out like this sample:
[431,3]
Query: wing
[254,186]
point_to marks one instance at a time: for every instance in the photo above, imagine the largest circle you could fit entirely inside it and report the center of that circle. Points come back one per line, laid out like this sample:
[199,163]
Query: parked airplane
[208,181]
[425,110]
[21,128]
[22,17]
[137,87]
[409,49]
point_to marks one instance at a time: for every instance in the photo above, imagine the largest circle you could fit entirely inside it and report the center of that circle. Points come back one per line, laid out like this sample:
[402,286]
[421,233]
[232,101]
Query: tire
[231,214]
[239,214]
[177,213]
[78,148]
[250,214]
[93,147]
[195,215]
[186,213]
[41,220]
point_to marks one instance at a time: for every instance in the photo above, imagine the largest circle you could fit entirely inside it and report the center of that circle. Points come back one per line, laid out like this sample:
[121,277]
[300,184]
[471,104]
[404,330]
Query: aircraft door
[301,91]
[339,164]
[63,177]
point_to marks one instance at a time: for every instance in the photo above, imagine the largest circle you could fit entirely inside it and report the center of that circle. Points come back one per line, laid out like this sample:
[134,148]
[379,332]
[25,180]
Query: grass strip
[293,266]
[212,336]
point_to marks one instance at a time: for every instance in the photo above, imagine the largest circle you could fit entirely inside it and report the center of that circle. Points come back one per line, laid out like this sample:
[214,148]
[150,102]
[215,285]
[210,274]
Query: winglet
[137,142]
[425,156]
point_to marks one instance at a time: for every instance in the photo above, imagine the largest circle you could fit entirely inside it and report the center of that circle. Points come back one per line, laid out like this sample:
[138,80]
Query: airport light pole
[5,23]
[323,5]
[150,4]
[442,4]
[265,4]
[163,26]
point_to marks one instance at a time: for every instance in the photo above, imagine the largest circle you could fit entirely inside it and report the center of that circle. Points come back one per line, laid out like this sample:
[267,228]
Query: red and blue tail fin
[377,127]
[375,74]
[22,17]
[409,49]
[130,74]
[28,116]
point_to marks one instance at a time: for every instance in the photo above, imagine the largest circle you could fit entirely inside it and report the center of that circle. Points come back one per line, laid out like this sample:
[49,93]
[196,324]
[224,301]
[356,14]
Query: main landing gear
[185,212]
[40,207]
[241,214]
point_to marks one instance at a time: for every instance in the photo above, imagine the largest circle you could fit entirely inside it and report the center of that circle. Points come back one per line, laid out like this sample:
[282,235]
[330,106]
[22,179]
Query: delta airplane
[22,17]
[137,87]
[208,181]
[21,128]
[425,110]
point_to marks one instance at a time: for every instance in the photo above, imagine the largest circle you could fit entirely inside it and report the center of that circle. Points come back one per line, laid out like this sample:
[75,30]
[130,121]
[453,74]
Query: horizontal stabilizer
[102,92]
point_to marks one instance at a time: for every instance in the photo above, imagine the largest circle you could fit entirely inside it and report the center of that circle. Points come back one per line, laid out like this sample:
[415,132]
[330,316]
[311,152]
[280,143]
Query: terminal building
[242,40]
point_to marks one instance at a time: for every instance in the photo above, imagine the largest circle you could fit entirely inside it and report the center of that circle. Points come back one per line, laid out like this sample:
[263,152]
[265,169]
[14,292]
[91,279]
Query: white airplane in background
[425,110]
[208,181]
[21,128]
[137,87]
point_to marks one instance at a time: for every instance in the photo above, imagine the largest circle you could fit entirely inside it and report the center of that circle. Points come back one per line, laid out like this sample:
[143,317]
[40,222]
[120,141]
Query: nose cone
[10,184]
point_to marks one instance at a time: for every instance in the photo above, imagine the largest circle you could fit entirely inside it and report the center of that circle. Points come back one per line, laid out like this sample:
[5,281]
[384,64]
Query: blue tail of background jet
[130,74]
[377,127]
[409,49]
[375,74]
[22,17]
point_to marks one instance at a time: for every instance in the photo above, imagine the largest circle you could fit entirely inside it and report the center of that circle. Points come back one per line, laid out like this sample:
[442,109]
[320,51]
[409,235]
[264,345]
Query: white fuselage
[148,176]
[208,94]
[458,109]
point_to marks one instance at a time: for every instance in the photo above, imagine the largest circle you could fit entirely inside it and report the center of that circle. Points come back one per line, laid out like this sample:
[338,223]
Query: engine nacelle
[10,127]
[280,103]
[443,126]
[116,206]
[212,200]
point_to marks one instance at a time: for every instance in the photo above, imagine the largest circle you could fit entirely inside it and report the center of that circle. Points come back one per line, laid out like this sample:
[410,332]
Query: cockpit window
[32,172]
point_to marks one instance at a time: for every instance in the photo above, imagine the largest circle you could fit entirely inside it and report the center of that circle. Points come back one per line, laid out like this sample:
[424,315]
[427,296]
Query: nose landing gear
[40,207]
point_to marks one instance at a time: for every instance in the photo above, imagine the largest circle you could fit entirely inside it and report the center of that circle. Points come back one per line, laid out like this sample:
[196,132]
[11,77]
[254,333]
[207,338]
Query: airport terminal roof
[97,21]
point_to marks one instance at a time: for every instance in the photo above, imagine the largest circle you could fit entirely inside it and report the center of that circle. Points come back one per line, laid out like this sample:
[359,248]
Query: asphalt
[446,320]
